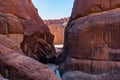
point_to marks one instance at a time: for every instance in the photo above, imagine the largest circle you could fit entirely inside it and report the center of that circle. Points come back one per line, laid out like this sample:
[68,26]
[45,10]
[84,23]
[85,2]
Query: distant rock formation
[37,41]
[92,40]
[57,27]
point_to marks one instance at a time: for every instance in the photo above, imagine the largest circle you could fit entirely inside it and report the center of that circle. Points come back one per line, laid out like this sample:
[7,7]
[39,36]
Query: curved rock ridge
[16,66]
[92,40]
[37,41]
[77,75]
[84,7]
[11,27]
[10,24]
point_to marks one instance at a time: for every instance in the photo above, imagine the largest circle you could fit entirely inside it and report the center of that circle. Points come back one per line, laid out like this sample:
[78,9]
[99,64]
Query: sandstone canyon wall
[22,28]
[92,37]
[57,28]
[37,41]
[16,66]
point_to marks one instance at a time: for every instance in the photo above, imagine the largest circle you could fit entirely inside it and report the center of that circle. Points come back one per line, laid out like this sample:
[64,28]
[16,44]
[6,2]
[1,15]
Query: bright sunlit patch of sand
[59,46]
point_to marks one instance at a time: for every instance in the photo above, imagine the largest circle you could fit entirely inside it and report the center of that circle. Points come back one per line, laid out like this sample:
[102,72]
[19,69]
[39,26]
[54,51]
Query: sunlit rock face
[92,40]
[37,41]
[57,28]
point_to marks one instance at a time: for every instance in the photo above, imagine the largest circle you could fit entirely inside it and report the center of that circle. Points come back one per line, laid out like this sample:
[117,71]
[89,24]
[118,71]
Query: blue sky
[53,9]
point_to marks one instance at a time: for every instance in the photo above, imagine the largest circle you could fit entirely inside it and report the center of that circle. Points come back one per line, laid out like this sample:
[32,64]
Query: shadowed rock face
[16,66]
[92,40]
[1,78]
[57,28]
[77,75]
[37,41]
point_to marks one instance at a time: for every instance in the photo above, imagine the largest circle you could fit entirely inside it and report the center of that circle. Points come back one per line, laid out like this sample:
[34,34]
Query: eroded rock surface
[11,27]
[77,75]
[37,41]
[15,66]
[92,40]
[84,7]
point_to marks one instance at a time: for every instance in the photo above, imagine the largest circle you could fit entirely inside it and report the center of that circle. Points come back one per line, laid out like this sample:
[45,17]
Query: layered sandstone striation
[11,27]
[77,75]
[92,40]
[57,27]
[37,41]
[16,66]
[84,7]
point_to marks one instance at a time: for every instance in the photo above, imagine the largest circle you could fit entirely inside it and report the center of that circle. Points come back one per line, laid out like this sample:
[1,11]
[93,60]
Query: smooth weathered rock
[84,7]
[92,40]
[11,27]
[95,36]
[15,66]
[77,75]
[88,66]
[5,41]
[57,28]
[33,27]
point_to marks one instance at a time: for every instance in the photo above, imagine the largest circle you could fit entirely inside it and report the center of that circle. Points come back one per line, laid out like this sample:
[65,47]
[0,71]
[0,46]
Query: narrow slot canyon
[60,40]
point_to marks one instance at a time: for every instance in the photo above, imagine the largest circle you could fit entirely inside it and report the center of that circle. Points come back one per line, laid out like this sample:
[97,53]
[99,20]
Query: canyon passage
[83,46]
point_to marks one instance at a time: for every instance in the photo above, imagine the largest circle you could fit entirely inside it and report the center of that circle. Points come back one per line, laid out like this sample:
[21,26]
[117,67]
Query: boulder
[16,66]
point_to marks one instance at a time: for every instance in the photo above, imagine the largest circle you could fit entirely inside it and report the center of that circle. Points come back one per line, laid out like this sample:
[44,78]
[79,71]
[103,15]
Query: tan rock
[57,28]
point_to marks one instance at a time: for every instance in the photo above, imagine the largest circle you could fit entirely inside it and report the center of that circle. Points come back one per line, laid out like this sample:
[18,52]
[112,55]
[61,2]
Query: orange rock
[57,28]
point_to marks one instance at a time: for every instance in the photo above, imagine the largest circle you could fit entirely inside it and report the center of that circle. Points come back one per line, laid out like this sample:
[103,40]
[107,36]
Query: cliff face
[37,41]
[57,28]
[84,7]
[22,28]
[92,40]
